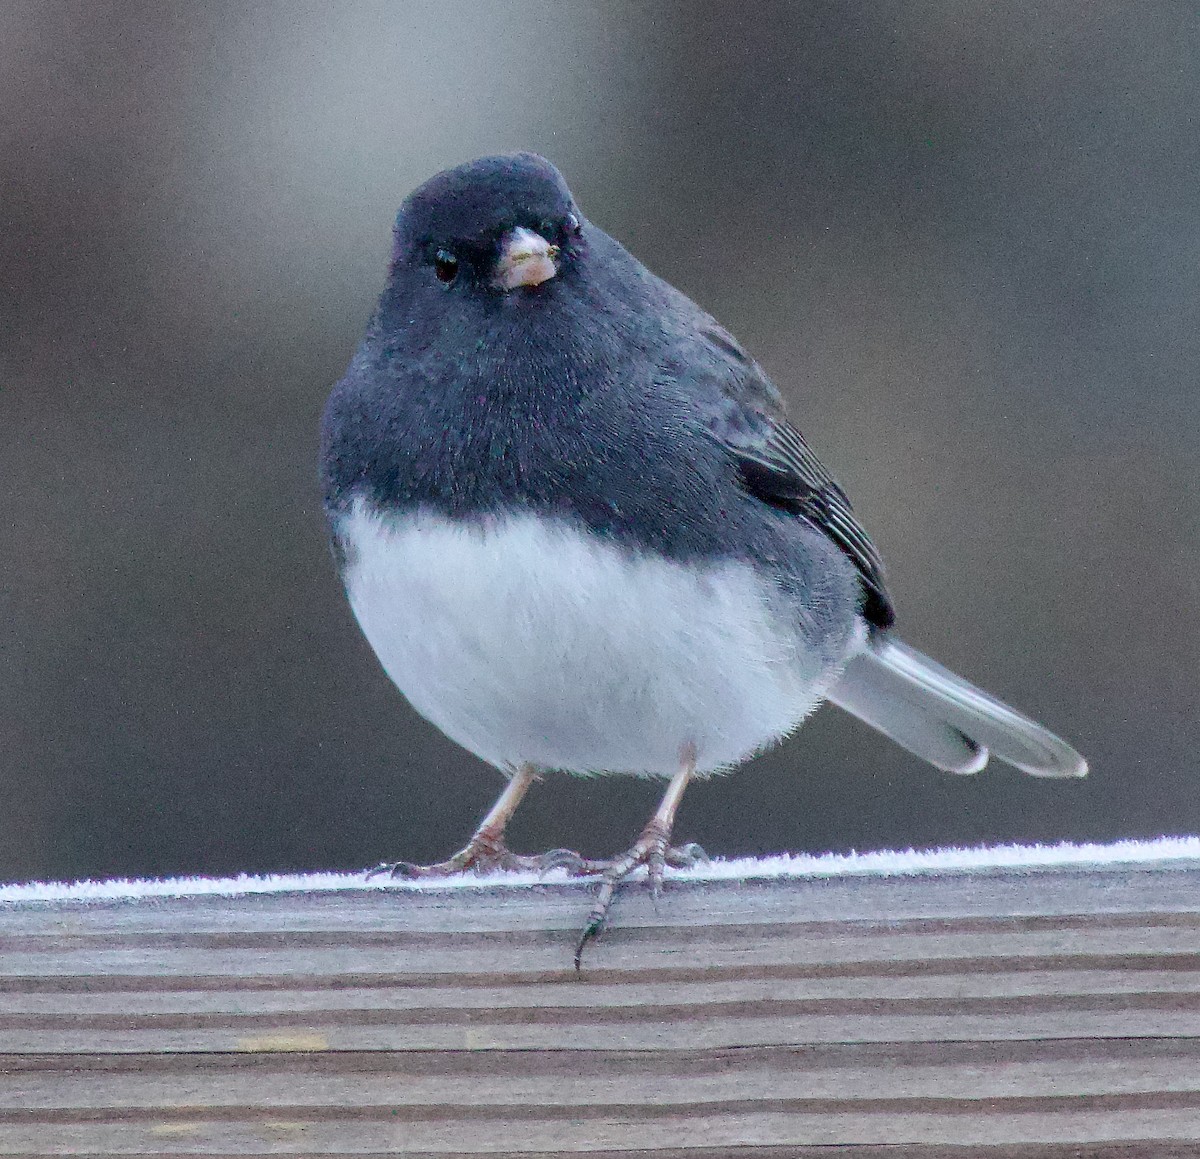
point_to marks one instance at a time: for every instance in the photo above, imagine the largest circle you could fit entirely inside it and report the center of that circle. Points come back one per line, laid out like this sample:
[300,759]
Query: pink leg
[652,849]
[486,849]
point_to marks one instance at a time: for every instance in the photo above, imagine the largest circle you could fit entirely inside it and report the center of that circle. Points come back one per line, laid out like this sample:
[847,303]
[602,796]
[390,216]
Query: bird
[581,534]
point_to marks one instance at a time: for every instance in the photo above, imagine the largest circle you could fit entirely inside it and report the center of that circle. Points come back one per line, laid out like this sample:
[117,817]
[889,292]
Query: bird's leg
[652,849]
[486,849]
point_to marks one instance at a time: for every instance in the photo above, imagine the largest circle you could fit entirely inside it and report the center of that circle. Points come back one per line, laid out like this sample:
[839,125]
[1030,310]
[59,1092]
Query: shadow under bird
[581,534]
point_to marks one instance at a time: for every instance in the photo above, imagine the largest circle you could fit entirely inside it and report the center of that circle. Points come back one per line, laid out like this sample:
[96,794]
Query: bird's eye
[573,226]
[445,266]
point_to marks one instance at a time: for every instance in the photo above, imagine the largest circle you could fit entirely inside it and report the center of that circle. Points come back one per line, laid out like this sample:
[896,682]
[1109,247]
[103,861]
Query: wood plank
[997,1014]
[967,1125]
[887,1077]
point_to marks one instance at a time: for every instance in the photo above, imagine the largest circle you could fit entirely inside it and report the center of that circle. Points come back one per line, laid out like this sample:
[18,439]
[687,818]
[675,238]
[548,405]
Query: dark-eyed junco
[580,533]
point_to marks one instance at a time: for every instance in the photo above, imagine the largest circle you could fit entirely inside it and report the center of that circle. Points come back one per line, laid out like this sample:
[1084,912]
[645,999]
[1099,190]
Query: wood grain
[999,1014]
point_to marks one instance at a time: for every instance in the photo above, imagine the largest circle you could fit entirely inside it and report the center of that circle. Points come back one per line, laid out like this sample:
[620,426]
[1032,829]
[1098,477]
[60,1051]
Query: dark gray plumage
[610,399]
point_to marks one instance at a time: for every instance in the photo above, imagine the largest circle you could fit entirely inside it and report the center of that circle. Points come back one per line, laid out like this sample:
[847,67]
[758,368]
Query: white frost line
[884,863]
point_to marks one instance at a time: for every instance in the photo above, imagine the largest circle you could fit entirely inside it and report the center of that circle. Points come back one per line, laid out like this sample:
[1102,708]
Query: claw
[591,930]
[599,913]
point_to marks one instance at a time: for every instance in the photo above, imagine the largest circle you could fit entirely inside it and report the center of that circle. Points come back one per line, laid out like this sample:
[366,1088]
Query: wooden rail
[991,1013]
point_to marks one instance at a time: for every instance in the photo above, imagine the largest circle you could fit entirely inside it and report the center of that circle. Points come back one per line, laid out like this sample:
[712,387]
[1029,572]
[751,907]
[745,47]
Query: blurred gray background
[962,237]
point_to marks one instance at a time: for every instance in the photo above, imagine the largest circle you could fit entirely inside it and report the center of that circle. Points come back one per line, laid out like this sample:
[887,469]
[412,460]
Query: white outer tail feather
[943,718]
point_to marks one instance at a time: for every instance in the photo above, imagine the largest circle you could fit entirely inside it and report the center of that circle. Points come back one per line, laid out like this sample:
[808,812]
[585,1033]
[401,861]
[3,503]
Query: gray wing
[745,413]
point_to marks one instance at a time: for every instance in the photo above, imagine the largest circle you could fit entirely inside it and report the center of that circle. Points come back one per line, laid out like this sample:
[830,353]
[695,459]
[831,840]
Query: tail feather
[944,719]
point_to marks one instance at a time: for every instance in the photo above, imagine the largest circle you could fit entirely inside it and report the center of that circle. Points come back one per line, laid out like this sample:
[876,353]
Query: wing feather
[775,464]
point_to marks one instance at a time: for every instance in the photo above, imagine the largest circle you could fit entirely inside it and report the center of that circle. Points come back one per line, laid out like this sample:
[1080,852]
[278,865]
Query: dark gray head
[499,286]
[489,227]
[495,269]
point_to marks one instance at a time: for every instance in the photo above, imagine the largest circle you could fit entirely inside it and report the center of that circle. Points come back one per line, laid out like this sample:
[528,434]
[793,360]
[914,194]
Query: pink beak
[526,259]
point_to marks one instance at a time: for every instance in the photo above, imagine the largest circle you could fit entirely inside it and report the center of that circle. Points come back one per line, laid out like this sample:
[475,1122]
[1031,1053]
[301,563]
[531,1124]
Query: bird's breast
[527,638]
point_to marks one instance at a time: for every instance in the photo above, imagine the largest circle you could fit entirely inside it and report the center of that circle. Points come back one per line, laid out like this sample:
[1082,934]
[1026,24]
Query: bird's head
[492,227]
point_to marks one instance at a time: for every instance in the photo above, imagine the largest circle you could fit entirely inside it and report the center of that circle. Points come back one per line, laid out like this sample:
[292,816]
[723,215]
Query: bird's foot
[482,854]
[652,849]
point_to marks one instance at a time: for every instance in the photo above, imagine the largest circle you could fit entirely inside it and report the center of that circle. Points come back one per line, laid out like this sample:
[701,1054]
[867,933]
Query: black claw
[590,931]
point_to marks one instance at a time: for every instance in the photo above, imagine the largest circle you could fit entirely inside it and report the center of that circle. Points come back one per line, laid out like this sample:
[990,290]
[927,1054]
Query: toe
[687,855]
[574,863]
[402,869]
[656,864]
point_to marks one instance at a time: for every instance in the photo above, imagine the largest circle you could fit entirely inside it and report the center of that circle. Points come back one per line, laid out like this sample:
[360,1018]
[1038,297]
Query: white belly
[524,641]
